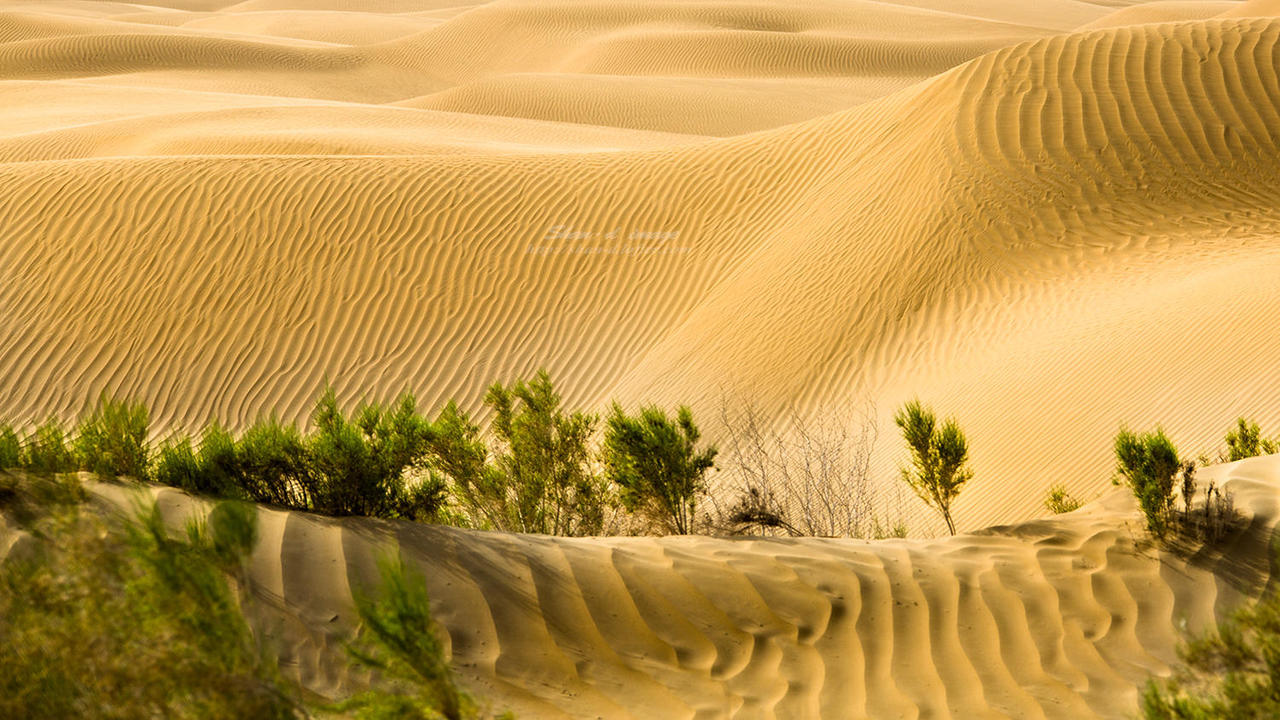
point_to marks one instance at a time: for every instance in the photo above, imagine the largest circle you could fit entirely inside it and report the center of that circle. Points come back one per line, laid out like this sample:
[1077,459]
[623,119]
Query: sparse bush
[220,472]
[1059,501]
[939,457]
[402,642]
[655,462]
[1246,441]
[112,440]
[46,449]
[1231,672]
[811,480]
[1149,465]
[757,509]
[10,448]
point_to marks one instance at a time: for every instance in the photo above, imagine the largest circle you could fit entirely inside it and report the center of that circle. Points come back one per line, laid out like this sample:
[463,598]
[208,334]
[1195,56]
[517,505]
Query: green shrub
[1149,465]
[358,466]
[112,440]
[10,448]
[655,462]
[542,480]
[1059,501]
[110,622]
[1231,672]
[459,461]
[402,642]
[46,449]
[272,465]
[1246,441]
[220,472]
[214,469]
[939,457]
[175,464]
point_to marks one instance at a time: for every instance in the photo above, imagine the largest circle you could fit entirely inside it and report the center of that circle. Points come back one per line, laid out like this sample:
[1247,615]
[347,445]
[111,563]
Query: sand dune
[663,202]
[1058,618]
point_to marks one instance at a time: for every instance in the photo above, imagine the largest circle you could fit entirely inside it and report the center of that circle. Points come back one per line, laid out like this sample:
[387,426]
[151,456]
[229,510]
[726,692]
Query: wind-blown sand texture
[1057,618]
[1048,218]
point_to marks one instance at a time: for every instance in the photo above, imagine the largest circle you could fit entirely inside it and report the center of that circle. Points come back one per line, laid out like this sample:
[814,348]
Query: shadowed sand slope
[1049,240]
[1057,618]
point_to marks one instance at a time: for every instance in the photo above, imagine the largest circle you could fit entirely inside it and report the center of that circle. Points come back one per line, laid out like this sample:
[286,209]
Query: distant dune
[1047,218]
[1058,618]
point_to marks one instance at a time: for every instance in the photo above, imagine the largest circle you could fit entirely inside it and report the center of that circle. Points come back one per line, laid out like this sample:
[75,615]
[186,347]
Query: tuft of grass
[1059,501]
[46,449]
[10,448]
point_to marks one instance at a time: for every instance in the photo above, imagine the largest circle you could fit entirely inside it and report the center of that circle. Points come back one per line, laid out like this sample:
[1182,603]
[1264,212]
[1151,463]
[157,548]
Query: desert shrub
[1230,672]
[811,479]
[212,469]
[1246,441]
[175,464]
[400,640]
[112,440]
[939,457]
[46,449]
[459,460]
[272,464]
[542,480]
[884,531]
[358,465]
[1059,501]
[220,472]
[103,621]
[655,462]
[10,448]
[1149,465]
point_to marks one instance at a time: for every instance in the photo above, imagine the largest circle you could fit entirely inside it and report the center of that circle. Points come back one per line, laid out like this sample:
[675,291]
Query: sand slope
[1058,618]
[1067,230]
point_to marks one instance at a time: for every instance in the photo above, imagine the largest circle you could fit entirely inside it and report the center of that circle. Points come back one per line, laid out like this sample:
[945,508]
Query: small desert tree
[357,465]
[45,450]
[1149,465]
[655,462]
[1246,441]
[939,458]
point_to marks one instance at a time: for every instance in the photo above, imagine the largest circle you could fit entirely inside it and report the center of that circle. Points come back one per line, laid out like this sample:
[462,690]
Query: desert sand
[1056,618]
[1047,218]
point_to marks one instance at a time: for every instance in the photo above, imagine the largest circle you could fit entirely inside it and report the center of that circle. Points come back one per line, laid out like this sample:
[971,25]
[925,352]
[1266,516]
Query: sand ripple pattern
[1058,618]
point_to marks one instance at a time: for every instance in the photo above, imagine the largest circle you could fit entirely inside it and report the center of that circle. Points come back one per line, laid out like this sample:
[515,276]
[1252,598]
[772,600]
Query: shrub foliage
[1246,441]
[1149,465]
[1231,672]
[656,463]
[112,440]
[939,458]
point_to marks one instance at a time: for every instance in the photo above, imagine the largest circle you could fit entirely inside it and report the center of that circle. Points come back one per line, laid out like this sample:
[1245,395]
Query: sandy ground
[1048,218]
[1056,618]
